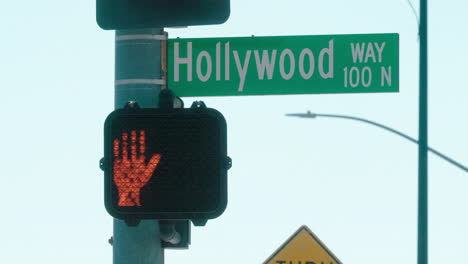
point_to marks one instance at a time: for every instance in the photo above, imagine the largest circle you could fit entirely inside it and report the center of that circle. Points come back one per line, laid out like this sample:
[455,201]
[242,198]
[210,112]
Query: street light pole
[423,148]
[423,139]
[439,154]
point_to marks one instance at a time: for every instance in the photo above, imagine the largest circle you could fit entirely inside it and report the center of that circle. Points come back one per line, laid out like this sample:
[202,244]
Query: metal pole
[423,139]
[137,78]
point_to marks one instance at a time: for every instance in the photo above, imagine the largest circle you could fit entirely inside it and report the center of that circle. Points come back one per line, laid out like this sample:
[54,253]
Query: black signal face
[165,164]
[133,14]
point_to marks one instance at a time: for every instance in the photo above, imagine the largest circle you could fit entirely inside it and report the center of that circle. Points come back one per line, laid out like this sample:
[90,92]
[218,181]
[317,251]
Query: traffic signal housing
[133,14]
[165,164]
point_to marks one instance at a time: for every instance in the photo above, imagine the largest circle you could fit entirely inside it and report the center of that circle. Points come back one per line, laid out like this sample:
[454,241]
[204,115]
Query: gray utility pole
[138,77]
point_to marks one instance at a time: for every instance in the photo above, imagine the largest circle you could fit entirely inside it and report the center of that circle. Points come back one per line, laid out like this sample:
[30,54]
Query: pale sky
[353,185]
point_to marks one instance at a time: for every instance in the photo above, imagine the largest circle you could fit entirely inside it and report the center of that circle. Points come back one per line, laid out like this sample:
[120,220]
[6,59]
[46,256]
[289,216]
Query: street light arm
[372,123]
[314,115]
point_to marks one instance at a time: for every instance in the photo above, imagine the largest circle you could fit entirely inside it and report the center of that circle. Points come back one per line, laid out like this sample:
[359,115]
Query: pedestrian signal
[165,163]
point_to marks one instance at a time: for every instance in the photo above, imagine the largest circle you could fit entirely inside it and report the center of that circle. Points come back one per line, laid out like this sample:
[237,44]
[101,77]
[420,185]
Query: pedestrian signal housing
[165,164]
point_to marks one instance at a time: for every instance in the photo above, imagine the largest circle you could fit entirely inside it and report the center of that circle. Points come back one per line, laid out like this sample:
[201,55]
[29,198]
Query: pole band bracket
[140,81]
[141,37]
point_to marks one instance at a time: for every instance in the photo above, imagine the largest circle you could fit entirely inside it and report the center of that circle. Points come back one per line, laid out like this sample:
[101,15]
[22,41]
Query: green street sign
[360,63]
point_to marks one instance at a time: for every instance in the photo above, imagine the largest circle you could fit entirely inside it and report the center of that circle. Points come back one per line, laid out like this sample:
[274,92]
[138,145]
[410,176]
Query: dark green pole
[423,145]
[137,78]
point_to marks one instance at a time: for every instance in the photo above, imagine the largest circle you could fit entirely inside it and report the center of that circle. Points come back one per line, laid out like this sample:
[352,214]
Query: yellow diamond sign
[303,247]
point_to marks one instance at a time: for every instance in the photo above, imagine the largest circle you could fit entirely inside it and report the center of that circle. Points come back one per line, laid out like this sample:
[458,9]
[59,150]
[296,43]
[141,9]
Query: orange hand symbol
[131,174]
